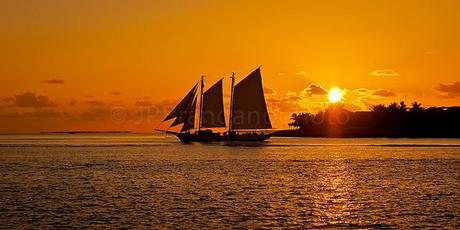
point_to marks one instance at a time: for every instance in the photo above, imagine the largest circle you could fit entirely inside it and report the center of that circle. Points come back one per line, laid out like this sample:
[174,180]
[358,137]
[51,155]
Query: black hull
[216,137]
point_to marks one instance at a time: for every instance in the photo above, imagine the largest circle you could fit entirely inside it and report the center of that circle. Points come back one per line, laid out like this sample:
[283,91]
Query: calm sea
[153,181]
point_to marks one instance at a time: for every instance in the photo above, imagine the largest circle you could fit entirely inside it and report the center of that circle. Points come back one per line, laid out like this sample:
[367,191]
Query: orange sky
[68,65]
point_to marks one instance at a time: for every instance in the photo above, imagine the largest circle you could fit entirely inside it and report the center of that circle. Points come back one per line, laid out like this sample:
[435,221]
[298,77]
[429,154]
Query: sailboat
[248,117]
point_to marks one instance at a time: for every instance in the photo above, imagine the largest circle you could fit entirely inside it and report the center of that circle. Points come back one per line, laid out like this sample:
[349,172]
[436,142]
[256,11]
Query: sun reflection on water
[335,186]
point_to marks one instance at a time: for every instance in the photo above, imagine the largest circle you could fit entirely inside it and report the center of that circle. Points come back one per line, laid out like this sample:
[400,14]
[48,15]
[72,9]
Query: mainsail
[184,112]
[249,110]
[212,112]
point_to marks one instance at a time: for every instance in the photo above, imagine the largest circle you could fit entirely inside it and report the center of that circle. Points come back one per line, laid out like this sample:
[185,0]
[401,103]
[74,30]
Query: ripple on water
[218,186]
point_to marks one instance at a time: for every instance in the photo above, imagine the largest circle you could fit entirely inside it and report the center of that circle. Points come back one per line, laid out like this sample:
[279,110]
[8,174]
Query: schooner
[248,112]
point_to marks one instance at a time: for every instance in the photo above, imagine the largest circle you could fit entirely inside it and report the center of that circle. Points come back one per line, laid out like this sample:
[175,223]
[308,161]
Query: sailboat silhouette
[248,118]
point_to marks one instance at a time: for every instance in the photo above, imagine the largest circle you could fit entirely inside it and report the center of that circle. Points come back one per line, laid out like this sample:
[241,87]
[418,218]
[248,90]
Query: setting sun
[335,95]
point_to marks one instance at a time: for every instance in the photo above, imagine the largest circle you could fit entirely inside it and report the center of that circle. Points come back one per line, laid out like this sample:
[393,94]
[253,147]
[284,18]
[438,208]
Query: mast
[231,103]
[200,122]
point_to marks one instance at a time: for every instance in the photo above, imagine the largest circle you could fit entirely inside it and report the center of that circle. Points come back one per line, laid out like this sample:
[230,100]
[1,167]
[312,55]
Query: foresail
[189,118]
[249,109]
[212,113]
[183,105]
[184,112]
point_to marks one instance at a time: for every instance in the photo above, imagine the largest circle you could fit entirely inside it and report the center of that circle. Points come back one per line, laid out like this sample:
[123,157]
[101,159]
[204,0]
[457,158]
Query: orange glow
[81,60]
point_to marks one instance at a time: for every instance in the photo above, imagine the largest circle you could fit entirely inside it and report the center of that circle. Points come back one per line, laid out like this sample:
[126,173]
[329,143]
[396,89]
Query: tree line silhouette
[394,120]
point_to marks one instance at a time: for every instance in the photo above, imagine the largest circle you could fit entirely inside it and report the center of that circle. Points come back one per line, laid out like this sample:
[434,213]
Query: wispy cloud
[73,102]
[302,74]
[450,90]
[54,81]
[40,113]
[143,103]
[95,103]
[384,73]
[285,104]
[7,99]
[383,93]
[269,91]
[313,90]
[29,99]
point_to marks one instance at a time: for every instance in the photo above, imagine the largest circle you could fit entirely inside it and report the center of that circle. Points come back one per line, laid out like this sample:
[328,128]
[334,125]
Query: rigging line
[246,70]
[237,71]
[215,80]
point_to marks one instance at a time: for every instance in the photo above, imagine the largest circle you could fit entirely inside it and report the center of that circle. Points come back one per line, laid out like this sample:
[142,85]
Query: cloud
[313,90]
[73,102]
[384,73]
[451,90]
[143,103]
[161,108]
[54,81]
[383,93]
[287,104]
[7,99]
[96,113]
[117,103]
[95,103]
[269,91]
[302,73]
[116,93]
[29,99]
[351,106]
[361,91]
[145,111]
[40,113]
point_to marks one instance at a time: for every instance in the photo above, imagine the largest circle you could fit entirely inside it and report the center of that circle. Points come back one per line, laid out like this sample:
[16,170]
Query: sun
[335,95]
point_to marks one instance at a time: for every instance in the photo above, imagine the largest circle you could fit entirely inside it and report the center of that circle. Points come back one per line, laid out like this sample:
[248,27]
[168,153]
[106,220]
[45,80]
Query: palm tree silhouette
[416,107]
[402,106]
[393,107]
[379,108]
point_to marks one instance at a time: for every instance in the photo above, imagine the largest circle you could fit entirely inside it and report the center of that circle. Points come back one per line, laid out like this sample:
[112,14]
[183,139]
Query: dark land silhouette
[394,120]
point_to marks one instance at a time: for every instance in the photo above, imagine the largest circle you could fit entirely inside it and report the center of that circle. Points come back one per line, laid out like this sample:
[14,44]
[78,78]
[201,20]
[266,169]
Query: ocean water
[153,181]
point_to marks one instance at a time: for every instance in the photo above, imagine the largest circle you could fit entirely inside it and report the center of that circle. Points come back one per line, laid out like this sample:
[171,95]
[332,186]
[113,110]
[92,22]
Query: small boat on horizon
[248,118]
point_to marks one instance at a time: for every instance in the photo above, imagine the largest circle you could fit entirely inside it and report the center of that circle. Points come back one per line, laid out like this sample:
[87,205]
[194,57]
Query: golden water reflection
[333,204]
